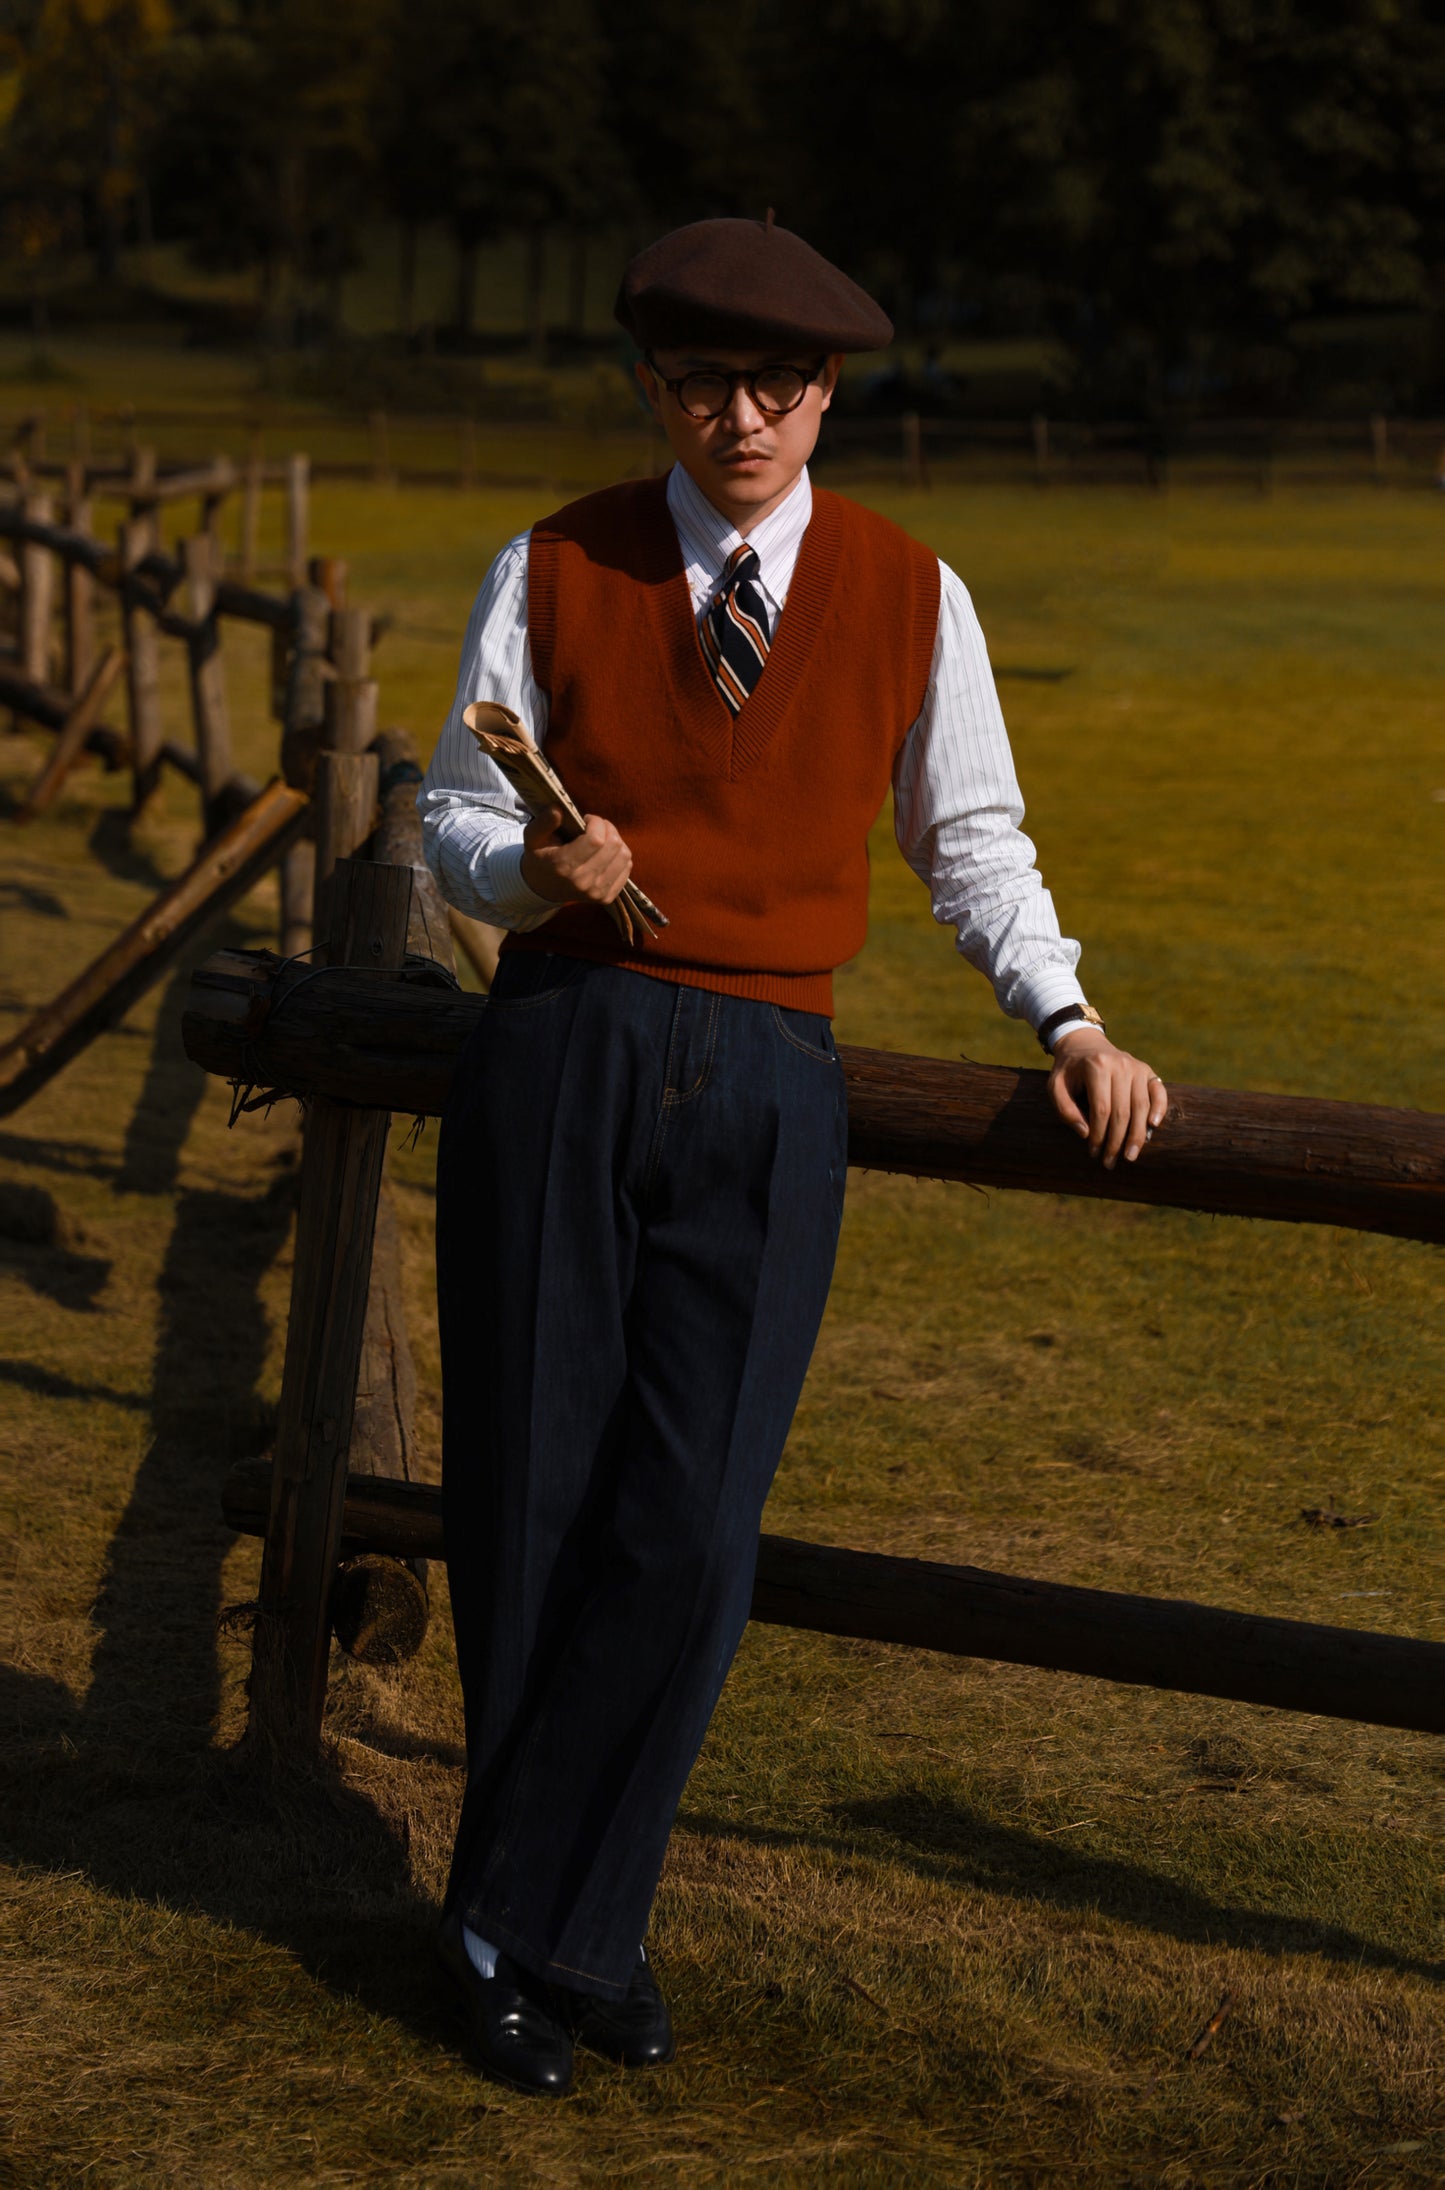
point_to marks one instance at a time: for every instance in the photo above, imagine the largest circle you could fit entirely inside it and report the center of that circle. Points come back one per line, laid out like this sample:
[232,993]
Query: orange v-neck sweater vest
[749,831]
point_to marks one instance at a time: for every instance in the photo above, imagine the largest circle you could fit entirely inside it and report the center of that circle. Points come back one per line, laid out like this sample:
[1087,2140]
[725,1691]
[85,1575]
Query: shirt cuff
[1047,992]
[515,899]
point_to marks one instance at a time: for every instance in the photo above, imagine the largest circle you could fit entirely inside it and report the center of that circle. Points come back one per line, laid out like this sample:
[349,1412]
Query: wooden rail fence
[360,1043]
[341,785]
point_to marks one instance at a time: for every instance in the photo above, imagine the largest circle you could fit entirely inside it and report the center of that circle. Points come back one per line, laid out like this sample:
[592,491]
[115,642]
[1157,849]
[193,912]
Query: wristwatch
[1069,1017]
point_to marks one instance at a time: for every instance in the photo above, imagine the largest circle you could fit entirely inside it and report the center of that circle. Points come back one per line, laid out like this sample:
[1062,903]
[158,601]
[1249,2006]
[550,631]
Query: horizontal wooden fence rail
[1152,1642]
[380,1042]
[153,580]
[360,1043]
[100,996]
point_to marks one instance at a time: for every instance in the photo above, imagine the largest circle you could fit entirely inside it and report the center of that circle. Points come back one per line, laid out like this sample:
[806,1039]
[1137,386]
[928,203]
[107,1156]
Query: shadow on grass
[173,1088]
[113,843]
[951,1845]
[71,1280]
[127,1786]
[24,897]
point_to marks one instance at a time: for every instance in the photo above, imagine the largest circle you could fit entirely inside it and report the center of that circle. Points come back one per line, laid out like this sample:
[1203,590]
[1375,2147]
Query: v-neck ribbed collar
[734,742]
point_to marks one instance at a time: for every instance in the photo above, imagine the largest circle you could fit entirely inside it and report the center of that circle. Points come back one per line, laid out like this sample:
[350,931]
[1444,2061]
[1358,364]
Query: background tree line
[1146,179]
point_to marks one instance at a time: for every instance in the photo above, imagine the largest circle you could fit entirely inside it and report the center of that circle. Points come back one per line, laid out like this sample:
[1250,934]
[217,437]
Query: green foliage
[1135,176]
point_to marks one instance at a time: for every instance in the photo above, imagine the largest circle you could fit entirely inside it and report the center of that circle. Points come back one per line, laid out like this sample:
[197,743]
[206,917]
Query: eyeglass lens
[775,391]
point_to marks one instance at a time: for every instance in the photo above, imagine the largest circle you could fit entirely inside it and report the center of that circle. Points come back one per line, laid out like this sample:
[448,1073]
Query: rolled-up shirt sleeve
[957,811]
[471,819]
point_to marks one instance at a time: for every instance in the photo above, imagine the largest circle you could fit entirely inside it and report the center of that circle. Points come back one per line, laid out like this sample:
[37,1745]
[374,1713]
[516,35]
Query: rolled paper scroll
[501,736]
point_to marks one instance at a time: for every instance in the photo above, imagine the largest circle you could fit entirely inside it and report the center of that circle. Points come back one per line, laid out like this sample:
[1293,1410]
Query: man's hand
[594,866]
[1123,1100]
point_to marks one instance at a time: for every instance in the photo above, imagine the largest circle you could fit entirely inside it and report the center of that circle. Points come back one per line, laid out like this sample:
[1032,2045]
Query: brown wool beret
[745,285]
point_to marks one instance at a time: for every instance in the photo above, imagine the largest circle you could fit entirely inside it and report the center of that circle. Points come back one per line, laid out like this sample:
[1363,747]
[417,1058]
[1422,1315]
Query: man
[642,1167]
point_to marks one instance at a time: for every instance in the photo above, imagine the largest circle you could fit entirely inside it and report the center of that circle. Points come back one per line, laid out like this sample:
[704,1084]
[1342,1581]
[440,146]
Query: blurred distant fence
[1256,454]
[913,448]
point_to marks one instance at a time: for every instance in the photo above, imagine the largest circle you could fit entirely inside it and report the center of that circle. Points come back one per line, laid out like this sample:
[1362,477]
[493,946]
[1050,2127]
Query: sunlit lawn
[924,1920]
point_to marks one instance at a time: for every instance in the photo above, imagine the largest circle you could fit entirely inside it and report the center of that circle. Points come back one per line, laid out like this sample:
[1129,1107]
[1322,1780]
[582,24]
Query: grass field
[923,1921]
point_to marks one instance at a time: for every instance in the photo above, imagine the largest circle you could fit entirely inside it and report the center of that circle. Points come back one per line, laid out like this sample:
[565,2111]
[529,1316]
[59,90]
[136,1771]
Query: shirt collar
[707,539]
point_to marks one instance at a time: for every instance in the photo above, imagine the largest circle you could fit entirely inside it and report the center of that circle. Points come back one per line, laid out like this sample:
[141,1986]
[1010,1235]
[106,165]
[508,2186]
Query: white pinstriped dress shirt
[956,800]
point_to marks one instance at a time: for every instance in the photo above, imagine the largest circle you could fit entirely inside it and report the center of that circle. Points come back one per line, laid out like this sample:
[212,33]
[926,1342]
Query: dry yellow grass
[923,1921]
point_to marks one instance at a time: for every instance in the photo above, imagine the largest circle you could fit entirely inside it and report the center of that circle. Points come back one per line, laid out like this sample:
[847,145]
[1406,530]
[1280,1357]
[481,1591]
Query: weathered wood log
[48,706]
[1292,1158]
[298,515]
[345,817]
[298,897]
[249,605]
[380,1607]
[71,543]
[37,596]
[351,694]
[303,700]
[340,1178]
[209,482]
[79,590]
[398,843]
[105,991]
[1151,1642]
[75,734]
[207,668]
[143,665]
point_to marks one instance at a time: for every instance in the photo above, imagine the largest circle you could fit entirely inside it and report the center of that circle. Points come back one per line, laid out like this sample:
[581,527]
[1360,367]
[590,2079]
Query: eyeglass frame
[807,374]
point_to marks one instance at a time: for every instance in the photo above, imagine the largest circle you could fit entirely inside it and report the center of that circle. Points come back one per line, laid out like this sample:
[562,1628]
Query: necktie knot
[735,632]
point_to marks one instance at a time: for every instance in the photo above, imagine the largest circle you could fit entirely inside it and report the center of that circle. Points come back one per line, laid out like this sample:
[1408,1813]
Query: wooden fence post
[298,515]
[37,593]
[380,1606]
[301,703]
[73,735]
[345,807]
[143,668]
[141,486]
[341,1168]
[398,843]
[79,589]
[251,505]
[351,696]
[213,502]
[200,556]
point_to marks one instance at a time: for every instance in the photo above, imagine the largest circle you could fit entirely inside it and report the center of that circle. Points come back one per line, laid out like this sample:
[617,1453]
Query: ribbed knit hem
[794,991]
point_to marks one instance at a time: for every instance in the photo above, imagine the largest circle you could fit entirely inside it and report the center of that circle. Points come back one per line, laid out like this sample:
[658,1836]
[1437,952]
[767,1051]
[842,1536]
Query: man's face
[746,460]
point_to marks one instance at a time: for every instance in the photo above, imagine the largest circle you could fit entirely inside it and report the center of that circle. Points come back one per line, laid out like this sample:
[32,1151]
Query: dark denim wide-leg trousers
[638,1197]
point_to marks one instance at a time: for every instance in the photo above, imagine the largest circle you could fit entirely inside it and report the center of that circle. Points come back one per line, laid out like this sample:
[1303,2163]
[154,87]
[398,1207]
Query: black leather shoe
[514,2018]
[635,2030]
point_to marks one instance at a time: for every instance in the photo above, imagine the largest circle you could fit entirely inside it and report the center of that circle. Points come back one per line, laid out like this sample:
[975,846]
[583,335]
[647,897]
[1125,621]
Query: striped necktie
[734,632]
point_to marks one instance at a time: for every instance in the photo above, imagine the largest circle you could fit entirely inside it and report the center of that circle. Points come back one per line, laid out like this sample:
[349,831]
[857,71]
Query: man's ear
[828,379]
[647,381]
